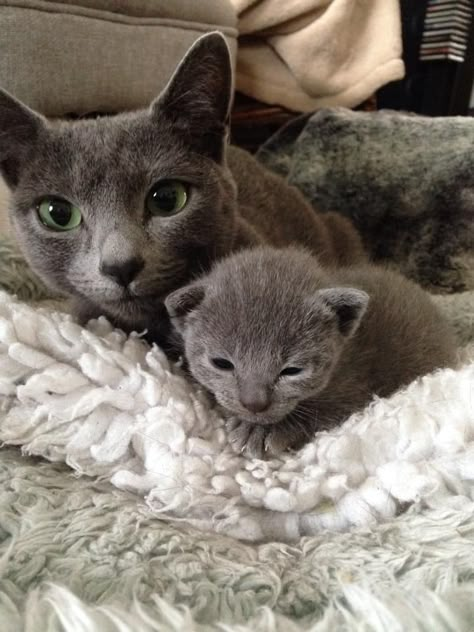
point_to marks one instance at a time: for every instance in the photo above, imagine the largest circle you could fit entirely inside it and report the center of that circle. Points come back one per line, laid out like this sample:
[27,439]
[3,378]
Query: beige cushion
[203,11]
[79,56]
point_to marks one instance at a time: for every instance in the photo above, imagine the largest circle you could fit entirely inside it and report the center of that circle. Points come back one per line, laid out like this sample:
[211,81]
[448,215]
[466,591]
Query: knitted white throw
[109,405]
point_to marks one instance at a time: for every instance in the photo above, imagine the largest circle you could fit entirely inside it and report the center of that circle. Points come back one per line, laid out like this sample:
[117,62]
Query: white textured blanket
[109,405]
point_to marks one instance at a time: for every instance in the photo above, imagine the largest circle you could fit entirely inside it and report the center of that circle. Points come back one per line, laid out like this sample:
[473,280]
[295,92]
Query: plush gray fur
[107,166]
[407,183]
[353,332]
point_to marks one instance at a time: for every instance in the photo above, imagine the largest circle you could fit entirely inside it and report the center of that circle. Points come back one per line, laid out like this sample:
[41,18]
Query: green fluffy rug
[79,555]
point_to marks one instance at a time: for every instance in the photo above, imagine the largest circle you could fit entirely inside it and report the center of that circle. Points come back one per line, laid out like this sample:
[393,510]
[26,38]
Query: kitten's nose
[123,272]
[255,398]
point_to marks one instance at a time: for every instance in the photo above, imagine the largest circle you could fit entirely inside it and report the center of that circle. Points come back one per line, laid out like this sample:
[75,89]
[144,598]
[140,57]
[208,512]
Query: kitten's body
[353,333]
[107,168]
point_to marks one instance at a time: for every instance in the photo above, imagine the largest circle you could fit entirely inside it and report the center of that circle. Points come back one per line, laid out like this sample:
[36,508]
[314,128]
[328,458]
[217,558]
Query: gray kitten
[288,347]
[119,211]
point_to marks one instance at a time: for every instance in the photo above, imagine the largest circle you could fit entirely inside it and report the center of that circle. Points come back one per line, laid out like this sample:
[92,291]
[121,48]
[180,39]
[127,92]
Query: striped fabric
[446,30]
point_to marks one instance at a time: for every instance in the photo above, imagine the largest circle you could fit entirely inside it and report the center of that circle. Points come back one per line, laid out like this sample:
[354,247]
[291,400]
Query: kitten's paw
[278,439]
[256,441]
[247,439]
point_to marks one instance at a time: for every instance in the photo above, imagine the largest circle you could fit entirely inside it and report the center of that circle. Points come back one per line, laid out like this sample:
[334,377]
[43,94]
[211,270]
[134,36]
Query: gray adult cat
[119,211]
[288,347]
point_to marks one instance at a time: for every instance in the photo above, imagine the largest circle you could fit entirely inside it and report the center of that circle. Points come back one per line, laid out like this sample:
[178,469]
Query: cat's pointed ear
[349,306]
[180,303]
[19,127]
[198,96]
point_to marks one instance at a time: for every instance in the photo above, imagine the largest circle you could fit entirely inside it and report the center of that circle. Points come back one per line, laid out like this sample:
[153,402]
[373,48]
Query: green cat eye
[59,214]
[167,197]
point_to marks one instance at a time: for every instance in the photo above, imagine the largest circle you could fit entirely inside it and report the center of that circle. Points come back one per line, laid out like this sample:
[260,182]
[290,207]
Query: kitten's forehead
[262,301]
[256,323]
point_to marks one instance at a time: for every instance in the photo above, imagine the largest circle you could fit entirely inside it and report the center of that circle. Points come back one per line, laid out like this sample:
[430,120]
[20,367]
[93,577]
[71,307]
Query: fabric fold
[317,53]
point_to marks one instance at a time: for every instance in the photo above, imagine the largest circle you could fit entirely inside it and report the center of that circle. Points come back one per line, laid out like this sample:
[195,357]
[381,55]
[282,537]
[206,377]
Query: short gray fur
[354,333]
[107,166]
[406,181]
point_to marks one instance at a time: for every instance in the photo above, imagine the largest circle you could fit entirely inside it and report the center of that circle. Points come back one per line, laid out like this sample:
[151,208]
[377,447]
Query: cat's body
[108,181]
[289,347]
[272,212]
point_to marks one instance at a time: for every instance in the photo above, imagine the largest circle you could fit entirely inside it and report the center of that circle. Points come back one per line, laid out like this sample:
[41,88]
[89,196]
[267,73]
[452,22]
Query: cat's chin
[129,301]
[126,308]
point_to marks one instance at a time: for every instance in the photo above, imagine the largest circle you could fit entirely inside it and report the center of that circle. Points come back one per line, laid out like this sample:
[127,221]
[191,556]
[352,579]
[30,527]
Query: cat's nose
[123,272]
[255,399]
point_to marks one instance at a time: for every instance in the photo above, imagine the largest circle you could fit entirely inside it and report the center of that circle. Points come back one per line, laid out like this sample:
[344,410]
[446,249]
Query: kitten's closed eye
[290,370]
[222,364]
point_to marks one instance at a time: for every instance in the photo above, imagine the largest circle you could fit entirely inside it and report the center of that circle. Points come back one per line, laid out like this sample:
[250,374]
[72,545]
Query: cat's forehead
[120,153]
[111,137]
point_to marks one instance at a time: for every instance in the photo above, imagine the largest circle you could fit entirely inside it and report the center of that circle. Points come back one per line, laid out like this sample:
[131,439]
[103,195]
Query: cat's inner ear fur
[198,96]
[349,306]
[19,127]
[182,302]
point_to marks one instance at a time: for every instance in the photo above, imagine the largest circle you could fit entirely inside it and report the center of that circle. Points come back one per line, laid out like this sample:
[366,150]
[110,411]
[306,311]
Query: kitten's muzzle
[123,272]
[255,398]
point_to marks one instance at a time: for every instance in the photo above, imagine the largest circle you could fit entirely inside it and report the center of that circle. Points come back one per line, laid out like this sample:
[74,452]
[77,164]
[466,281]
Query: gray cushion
[79,56]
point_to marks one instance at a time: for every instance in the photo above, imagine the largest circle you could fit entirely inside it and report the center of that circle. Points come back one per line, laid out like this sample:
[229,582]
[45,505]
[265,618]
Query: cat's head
[263,332]
[116,208]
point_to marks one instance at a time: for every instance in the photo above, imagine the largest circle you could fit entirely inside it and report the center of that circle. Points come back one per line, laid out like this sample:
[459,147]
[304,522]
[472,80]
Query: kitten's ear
[19,127]
[198,96]
[348,304]
[182,302]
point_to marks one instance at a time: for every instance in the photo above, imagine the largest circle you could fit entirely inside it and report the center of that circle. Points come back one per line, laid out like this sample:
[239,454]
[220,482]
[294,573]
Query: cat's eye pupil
[222,364]
[167,197]
[60,212]
[291,370]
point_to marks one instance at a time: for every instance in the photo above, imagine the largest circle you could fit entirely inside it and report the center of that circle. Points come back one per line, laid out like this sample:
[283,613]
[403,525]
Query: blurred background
[436,45]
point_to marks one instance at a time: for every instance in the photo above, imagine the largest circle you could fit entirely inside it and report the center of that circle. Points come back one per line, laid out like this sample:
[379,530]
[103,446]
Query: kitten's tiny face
[259,339]
[119,210]
[261,378]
